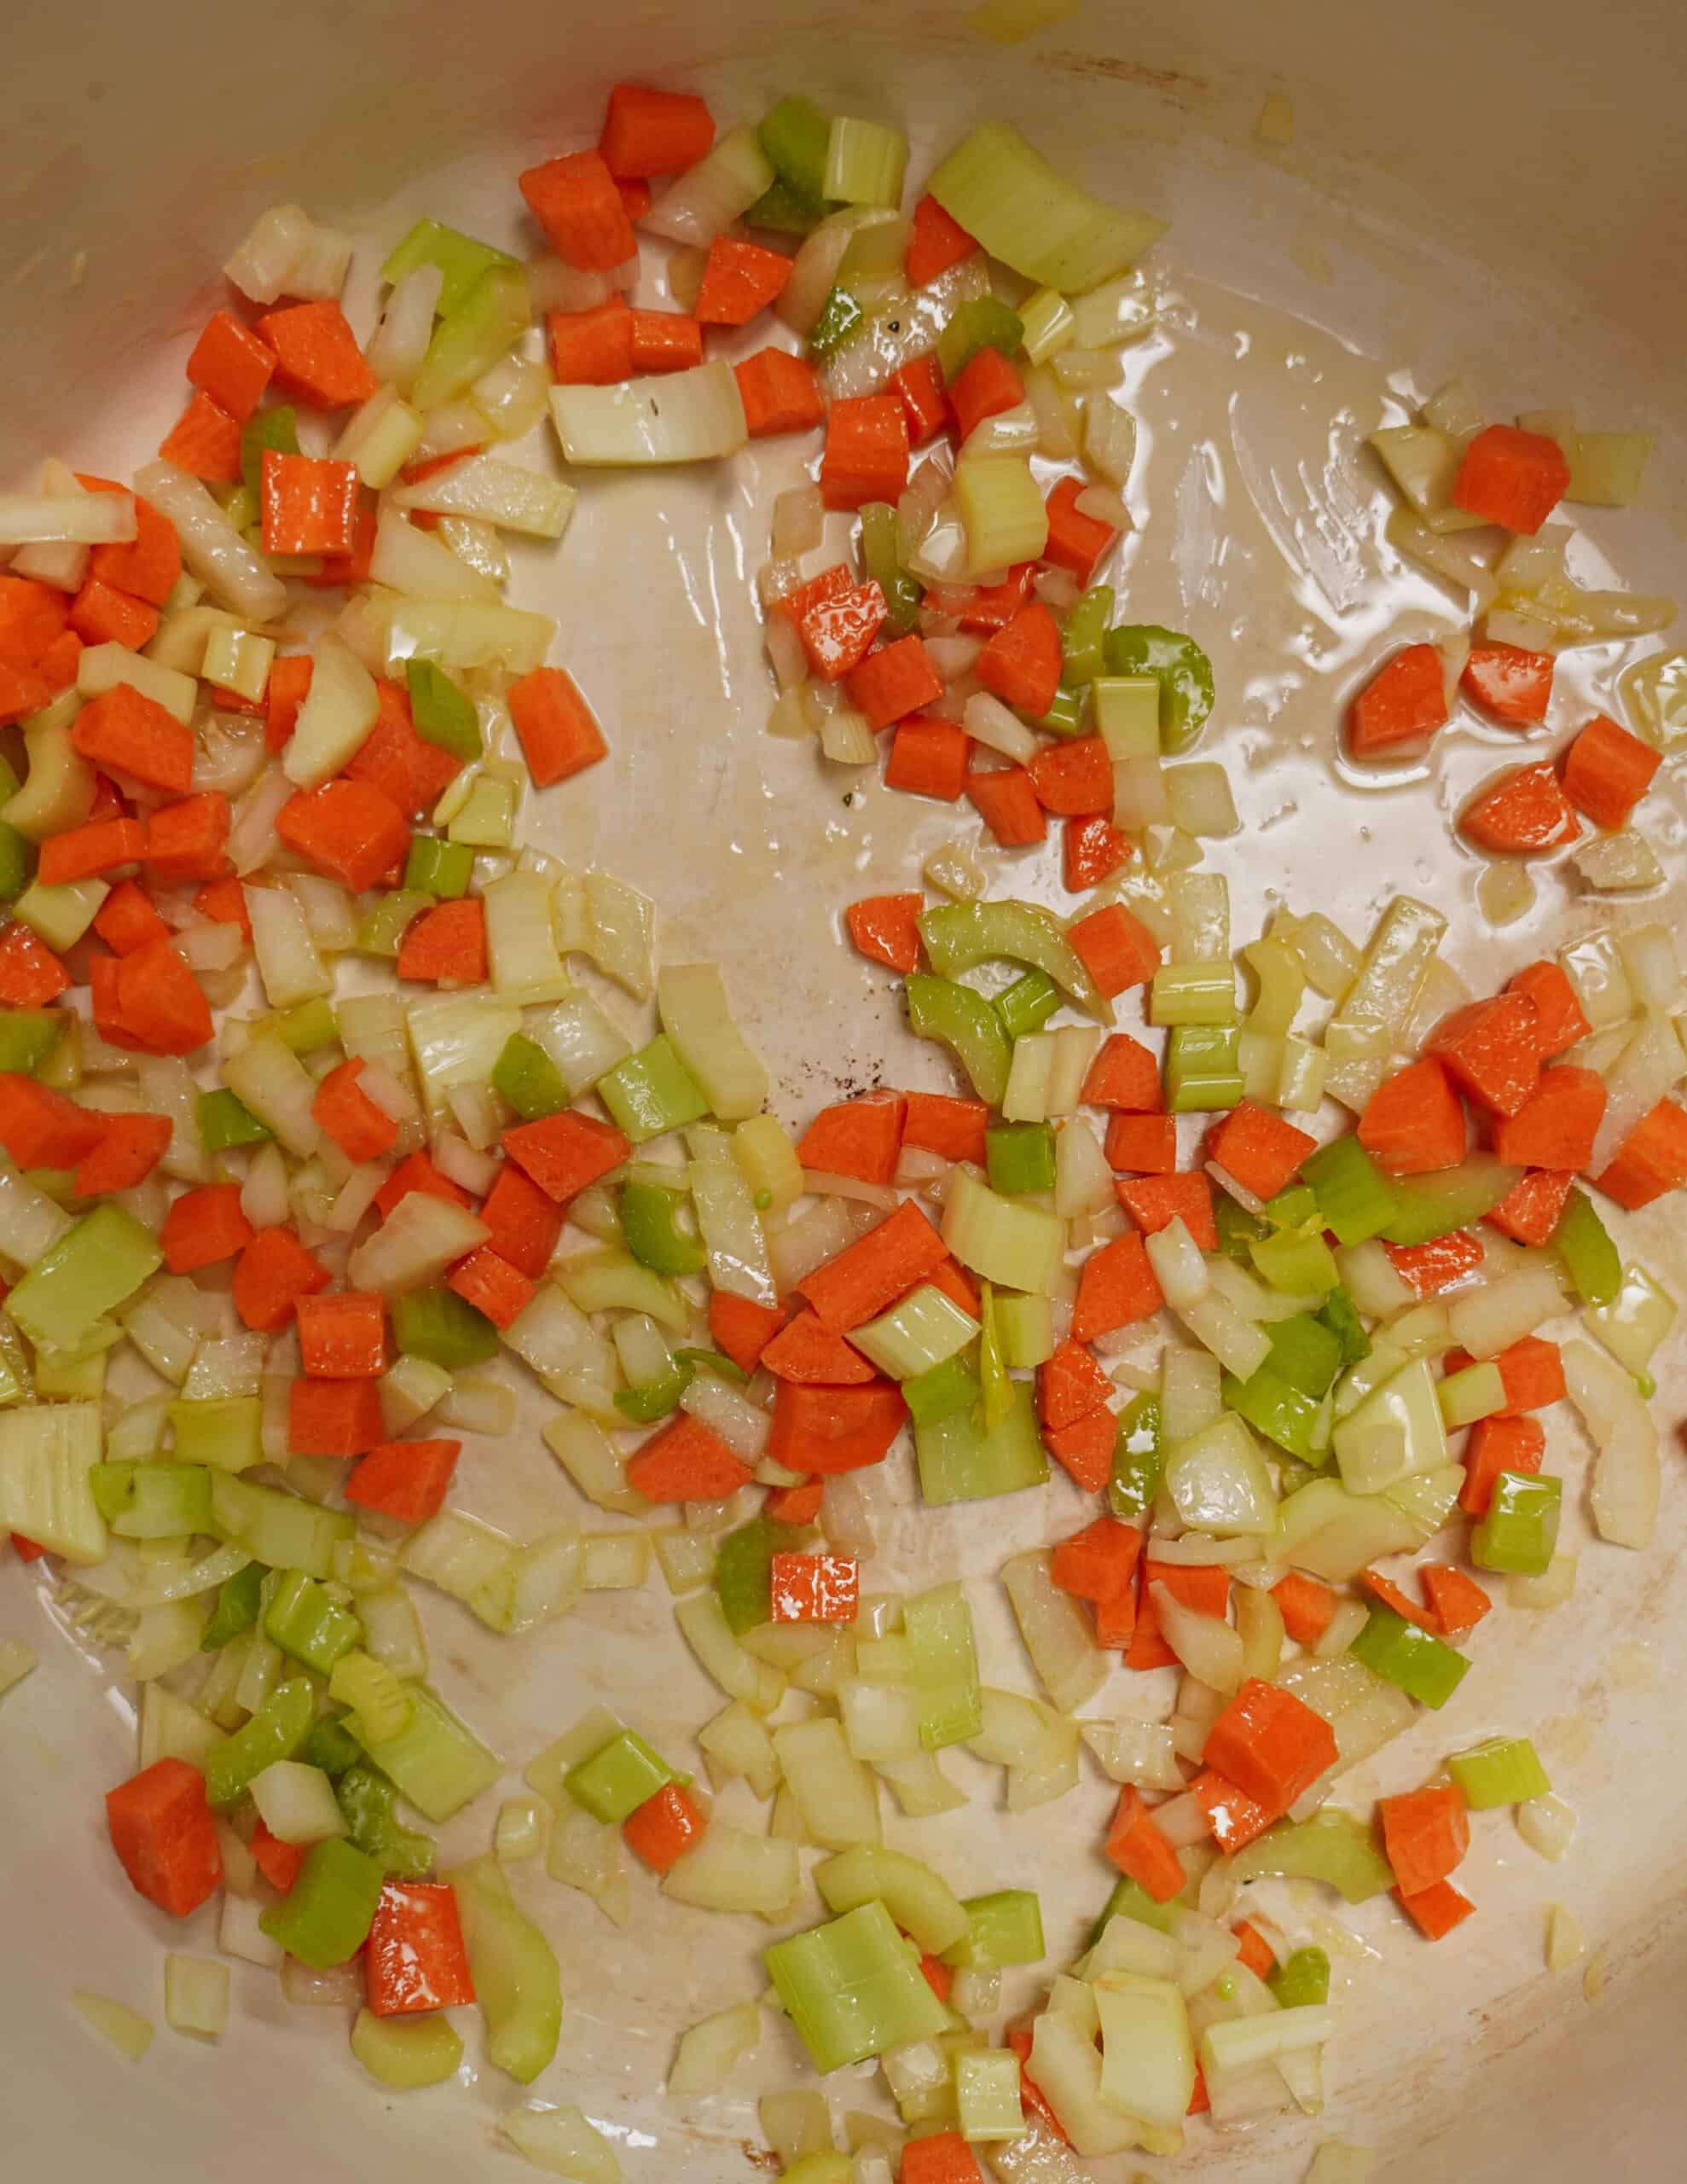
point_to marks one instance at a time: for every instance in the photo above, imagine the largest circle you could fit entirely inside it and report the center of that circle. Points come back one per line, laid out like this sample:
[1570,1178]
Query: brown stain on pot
[1173,85]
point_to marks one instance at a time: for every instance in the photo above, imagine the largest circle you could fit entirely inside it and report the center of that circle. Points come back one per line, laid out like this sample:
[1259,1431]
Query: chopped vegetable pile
[318,1107]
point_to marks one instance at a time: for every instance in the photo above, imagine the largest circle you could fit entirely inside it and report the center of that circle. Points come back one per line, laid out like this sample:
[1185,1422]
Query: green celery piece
[1302,1981]
[1332,1847]
[444,1328]
[784,210]
[1590,1259]
[460,258]
[656,1398]
[325,1917]
[1083,635]
[652,1092]
[17,861]
[619,1776]
[1237,1228]
[854,1988]
[1502,1771]
[840,317]
[225,1120]
[1297,1262]
[367,1799]
[939,1394]
[156,1501]
[649,1229]
[312,1024]
[276,428]
[1427,1206]
[1066,717]
[439,868]
[280,1530]
[1006,1928]
[1139,1459]
[1519,1531]
[979,322]
[1293,1205]
[225,1431]
[332,1747]
[94,1267]
[1424,1666]
[433,1761]
[514,1969]
[881,558]
[958,935]
[961,1461]
[1131,1900]
[525,1076]
[305,1623]
[1338,1313]
[1305,1353]
[383,931]
[968,1024]
[1203,1072]
[27,1036]
[996,1389]
[236,1608]
[112,1485]
[1019,1157]
[1028,1003]
[276,1731]
[711,1361]
[939,1628]
[1180,666]
[1355,1199]
[441,711]
[743,1567]
[1275,1408]
[794,135]
[492,316]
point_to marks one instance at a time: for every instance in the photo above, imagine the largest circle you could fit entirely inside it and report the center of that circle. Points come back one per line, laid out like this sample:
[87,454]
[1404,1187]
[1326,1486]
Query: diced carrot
[343,1336]
[1257,1953]
[1607,771]
[131,1147]
[893,681]
[1521,811]
[124,732]
[647,132]
[805,1351]
[796,1505]
[204,1226]
[273,1273]
[937,1122]
[1136,1846]
[1202,1587]
[1124,1074]
[149,565]
[231,364]
[159,1000]
[1154,1202]
[309,504]
[104,981]
[1533,1208]
[1070,1385]
[1458,1601]
[1511,684]
[350,830]
[1559,1020]
[405,766]
[828,1430]
[814,1588]
[1116,948]
[1141,1145]
[344,570]
[886,929]
[1234,1818]
[205,441]
[1007,801]
[664,1827]
[1428,1268]
[334,1418]
[1077,542]
[665,341]
[873,1271]
[1403,702]
[498,1291]
[685,1461]
[742,1328]
[558,732]
[288,687]
[42,1129]
[524,1221]
[1084,1450]
[316,355]
[165,1837]
[278,1862]
[1270,1744]
[779,392]
[591,348]
[563,1152]
[414,1957]
[739,279]
[1491,1048]
[31,615]
[981,609]
[1498,1444]
[937,243]
[919,387]
[1557,1124]
[403,1479]
[30,975]
[862,1138]
[1116,1286]
[1115,1620]
[986,385]
[1650,1160]
[1511,477]
[1436,1911]
[1413,1124]
[185,840]
[1259,1148]
[1426,1834]
[59,664]
[1075,779]
[838,630]
[866,451]
[1090,849]
[224,902]
[1396,1597]
[928,757]
[22,691]
[943,2157]
[1533,1371]
[1099,1562]
[1307,1605]
[100,615]
[936,1975]
[1021,666]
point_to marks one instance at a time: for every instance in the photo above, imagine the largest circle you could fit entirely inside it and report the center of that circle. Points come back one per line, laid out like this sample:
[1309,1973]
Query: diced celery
[1028,1003]
[528,1079]
[276,1731]
[618,1778]
[1590,1259]
[1005,1927]
[102,1262]
[277,1528]
[922,1905]
[1502,1771]
[959,935]
[1333,1848]
[49,1455]
[1019,1246]
[224,1432]
[1182,669]
[1297,1262]
[325,1917]
[305,1622]
[938,1625]
[794,135]
[881,559]
[840,317]
[962,1460]
[1520,1528]
[516,1979]
[653,1092]
[1423,1666]
[442,869]
[1301,1980]
[441,711]
[1337,1314]
[1355,1199]
[865,162]
[1002,512]
[1139,1459]
[332,1747]
[404,2053]
[236,1608]
[999,189]
[382,931]
[469,340]
[916,1336]
[443,1327]
[460,258]
[1083,636]
[934,1396]
[1427,1206]
[485,820]
[152,1500]
[853,1988]
[1024,1330]
[433,1761]
[1238,1230]
[1273,1406]
[965,1022]
[1202,1072]
[1019,1157]
[27,1036]
[368,1798]
[979,322]
[651,1230]
[225,1121]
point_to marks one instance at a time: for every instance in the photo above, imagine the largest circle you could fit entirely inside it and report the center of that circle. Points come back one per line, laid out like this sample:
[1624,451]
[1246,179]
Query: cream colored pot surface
[1497,191]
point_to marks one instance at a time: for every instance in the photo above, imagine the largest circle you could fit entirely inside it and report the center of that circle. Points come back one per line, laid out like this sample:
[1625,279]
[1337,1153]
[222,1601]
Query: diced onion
[212,548]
